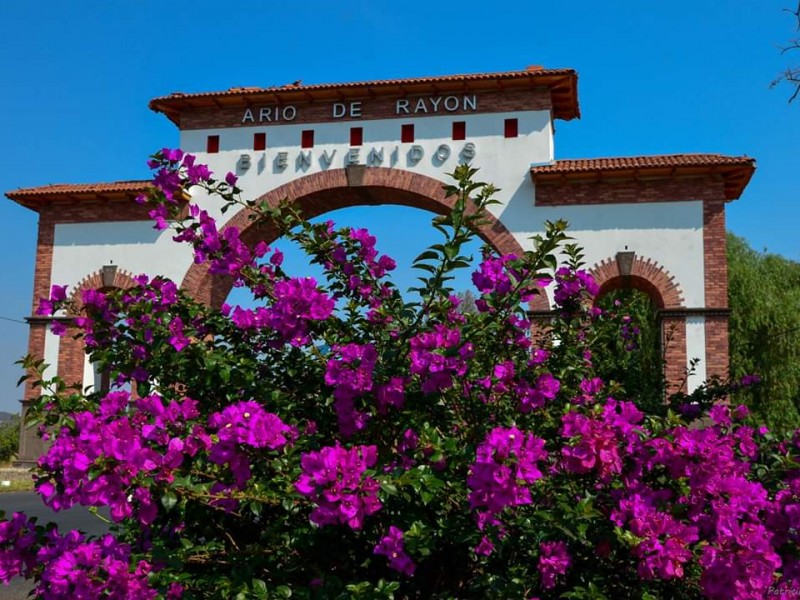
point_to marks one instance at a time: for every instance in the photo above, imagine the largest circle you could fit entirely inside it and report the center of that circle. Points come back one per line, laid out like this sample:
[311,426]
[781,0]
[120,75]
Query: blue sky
[653,78]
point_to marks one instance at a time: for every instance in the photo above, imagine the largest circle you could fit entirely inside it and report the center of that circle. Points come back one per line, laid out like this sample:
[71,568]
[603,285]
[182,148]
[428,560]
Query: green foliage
[9,439]
[630,353]
[764,295]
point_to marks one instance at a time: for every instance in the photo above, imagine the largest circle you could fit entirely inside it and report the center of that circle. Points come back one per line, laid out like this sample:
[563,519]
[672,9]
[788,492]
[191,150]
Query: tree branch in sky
[792,73]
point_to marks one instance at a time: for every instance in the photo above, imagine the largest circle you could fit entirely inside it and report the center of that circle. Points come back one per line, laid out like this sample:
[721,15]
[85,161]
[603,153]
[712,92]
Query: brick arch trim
[646,275]
[330,190]
[94,281]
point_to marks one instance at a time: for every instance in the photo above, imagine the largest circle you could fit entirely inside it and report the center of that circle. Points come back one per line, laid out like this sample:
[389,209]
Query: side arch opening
[656,302]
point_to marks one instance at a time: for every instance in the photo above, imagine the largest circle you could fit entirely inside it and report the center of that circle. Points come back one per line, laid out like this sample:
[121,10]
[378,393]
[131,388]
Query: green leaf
[169,500]
[427,255]
[260,588]
[389,488]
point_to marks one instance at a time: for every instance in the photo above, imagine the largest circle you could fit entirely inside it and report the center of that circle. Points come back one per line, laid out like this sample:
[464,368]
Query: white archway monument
[380,142]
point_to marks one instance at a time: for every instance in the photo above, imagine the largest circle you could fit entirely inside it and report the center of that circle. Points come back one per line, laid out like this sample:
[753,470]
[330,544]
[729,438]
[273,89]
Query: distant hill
[6,416]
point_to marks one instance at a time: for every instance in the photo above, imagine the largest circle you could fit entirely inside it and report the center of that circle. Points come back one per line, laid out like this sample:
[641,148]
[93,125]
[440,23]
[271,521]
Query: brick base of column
[673,335]
[717,349]
[31,446]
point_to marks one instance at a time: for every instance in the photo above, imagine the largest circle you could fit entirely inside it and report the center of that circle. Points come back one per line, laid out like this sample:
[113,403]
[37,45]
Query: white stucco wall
[696,349]
[52,343]
[83,248]
[670,233]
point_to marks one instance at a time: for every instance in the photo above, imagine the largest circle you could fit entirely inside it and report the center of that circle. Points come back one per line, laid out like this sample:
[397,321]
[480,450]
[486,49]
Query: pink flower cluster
[391,546]
[349,373]
[80,569]
[531,395]
[437,357]
[73,567]
[153,441]
[297,302]
[665,545]
[246,424]
[377,266]
[225,252]
[554,560]
[334,479]
[740,526]
[505,467]
[48,306]
[350,258]
[174,170]
[601,438]
[17,543]
[497,277]
[573,287]
[391,393]
[492,276]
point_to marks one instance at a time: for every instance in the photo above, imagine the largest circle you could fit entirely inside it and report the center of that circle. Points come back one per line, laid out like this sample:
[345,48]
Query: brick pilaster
[31,447]
[673,331]
[716,287]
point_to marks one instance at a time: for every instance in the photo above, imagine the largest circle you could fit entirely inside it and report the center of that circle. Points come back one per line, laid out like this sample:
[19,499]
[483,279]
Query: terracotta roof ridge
[643,161]
[651,156]
[735,170]
[300,86]
[127,184]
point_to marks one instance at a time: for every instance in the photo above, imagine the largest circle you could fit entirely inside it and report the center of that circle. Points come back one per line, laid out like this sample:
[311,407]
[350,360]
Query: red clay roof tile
[35,197]
[81,189]
[641,162]
[735,170]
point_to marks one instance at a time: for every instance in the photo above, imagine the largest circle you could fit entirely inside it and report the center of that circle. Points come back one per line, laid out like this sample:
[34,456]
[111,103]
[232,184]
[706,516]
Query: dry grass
[20,485]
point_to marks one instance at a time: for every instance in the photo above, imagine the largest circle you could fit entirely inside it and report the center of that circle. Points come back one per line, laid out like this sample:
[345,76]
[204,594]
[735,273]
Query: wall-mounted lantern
[108,275]
[625,262]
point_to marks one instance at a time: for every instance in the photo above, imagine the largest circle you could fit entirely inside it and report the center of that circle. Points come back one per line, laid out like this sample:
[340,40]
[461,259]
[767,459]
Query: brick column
[71,358]
[31,447]
[716,287]
[673,336]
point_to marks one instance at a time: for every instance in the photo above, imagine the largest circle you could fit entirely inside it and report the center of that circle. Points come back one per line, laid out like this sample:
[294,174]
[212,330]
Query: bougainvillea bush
[338,441]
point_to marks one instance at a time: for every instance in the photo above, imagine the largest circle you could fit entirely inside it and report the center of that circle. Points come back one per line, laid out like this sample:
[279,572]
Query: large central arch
[327,191]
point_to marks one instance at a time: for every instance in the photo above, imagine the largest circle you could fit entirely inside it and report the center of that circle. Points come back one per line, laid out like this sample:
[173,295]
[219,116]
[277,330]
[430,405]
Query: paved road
[31,505]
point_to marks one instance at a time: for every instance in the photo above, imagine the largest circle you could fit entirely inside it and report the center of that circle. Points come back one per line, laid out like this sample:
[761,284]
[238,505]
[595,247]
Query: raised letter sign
[442,152]
[469,151]
[248,116]
[415,154]
[304,159]
[282,160]
[375,157]
[328,158]
[339,110]
[355,109]
[402,106]
[352,156]
[451,103]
